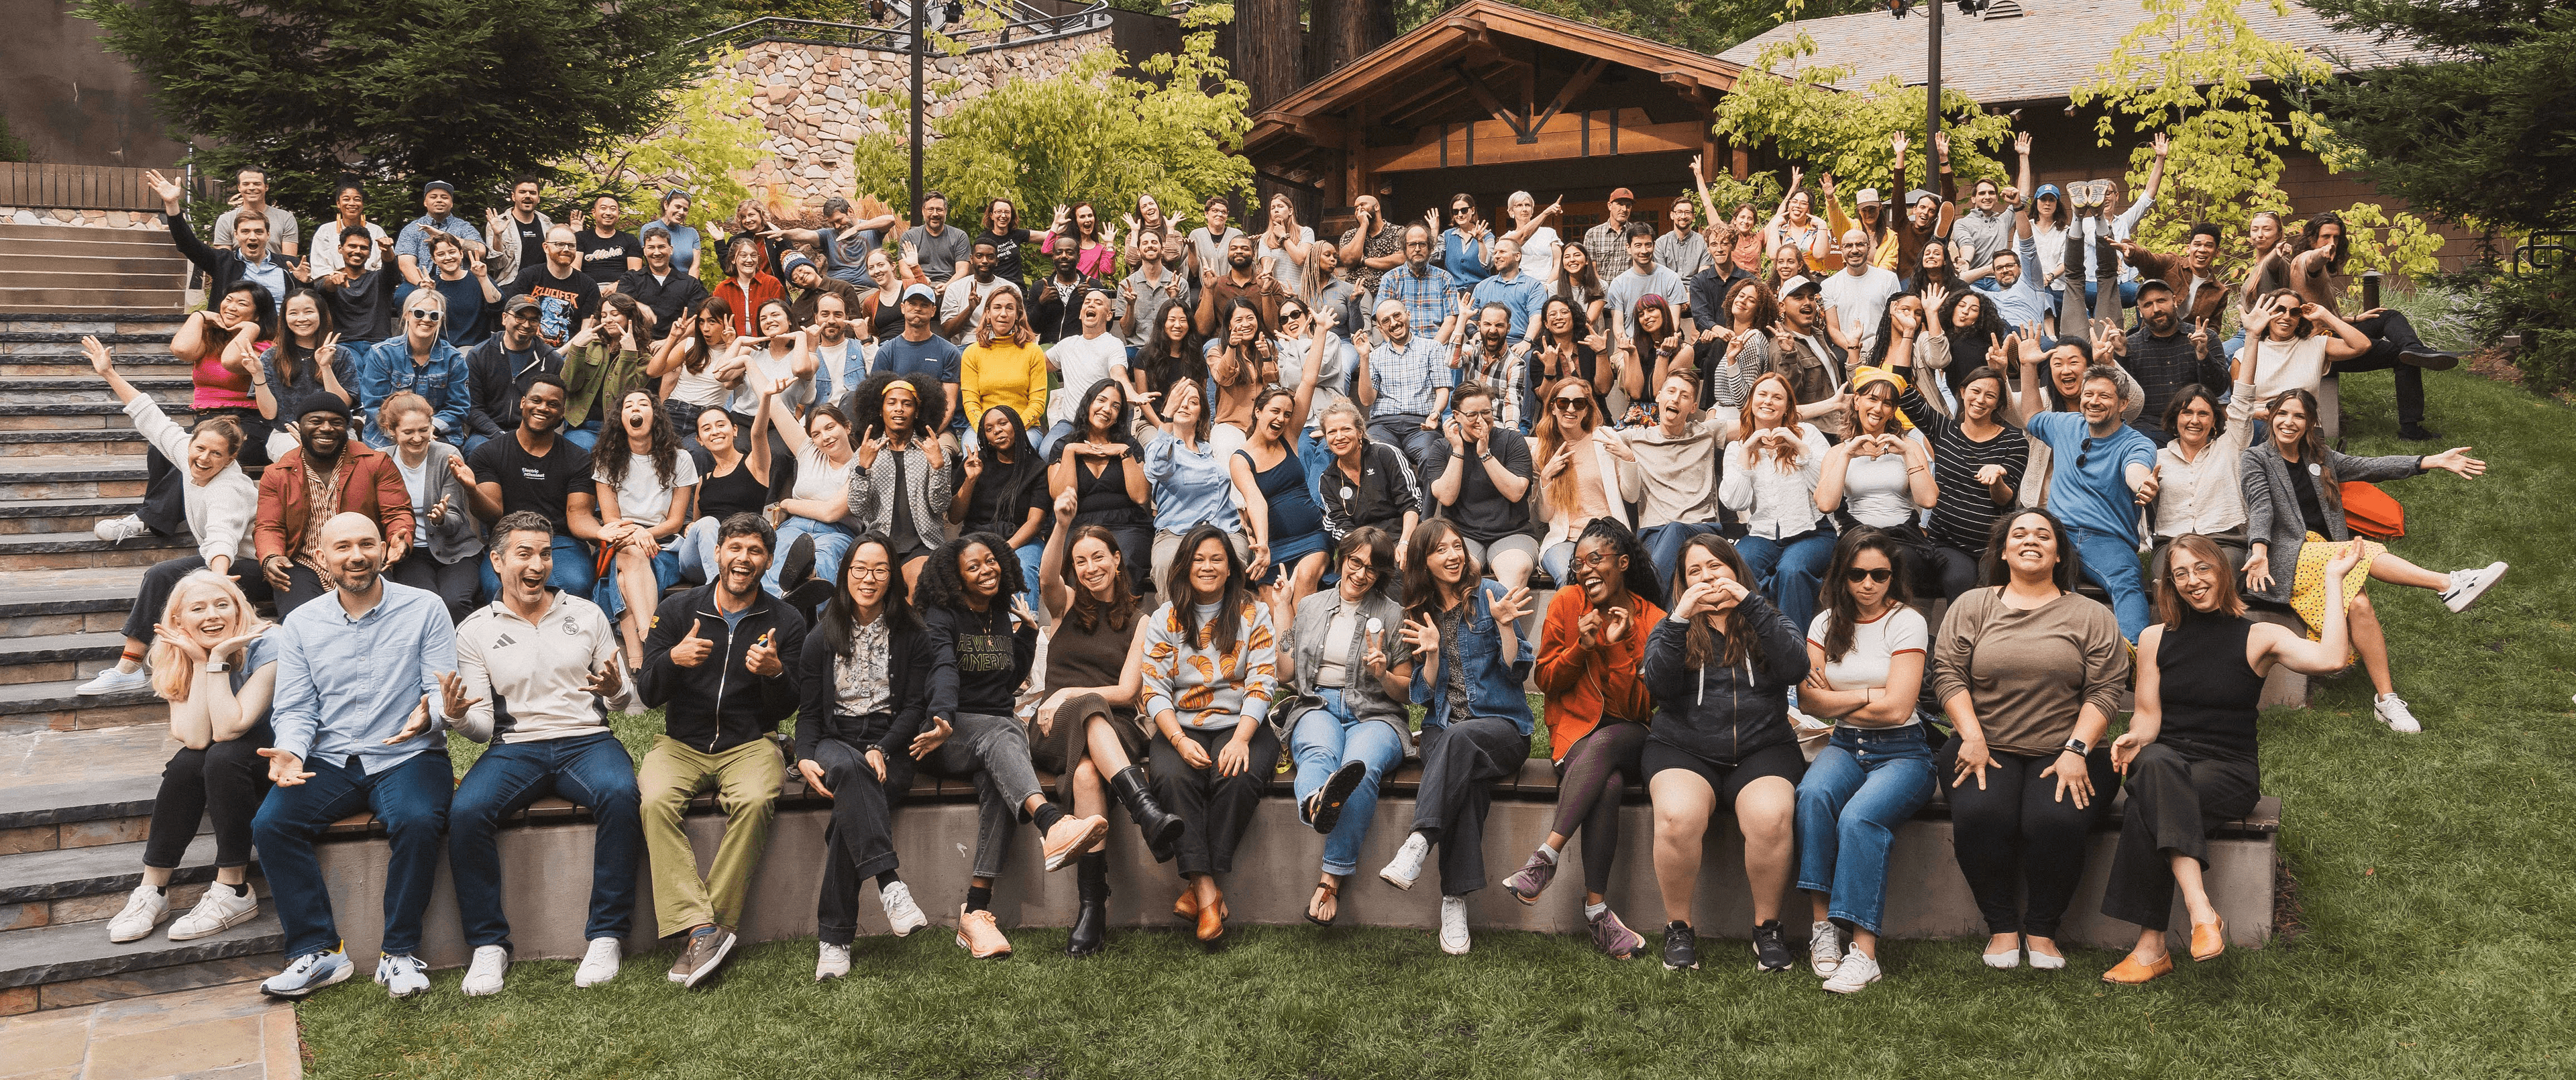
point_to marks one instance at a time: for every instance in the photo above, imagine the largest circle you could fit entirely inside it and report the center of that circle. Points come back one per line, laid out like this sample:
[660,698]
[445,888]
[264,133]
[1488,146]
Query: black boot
[1162,831]
[1091,918]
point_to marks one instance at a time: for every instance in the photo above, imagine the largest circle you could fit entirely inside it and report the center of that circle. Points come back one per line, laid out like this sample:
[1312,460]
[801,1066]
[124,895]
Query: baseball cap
[1868,197]
[1801,281]
[2156,284]
[917,291]
[2046,191]
[438,185]
[520,303]
[1622,195]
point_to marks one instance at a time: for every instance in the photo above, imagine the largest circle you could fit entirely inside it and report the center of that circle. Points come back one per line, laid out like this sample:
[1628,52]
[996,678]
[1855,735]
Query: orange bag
[2371,512]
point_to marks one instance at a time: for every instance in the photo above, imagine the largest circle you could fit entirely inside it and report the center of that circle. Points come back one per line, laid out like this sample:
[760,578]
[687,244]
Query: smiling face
[775,323]
[1572,256]
[981,572]
[1746,302]
[1601,570]
[1176,323]
[208,614]
[2100,401]
[322,434]
[1936,255]
[561,249]
[2196,579]
[302,316]
[2066,368]
[676,210]
[353,249]
[1342,436]
[1873,407]
[1559,319]
[2290,422]
[1359,575]
[1209,565]
[1096,567]
[438,201]
[237,307]
[900,405]
[413,431]
[870,571]
[352,553]
[1448,560]
[605,213]
[541,407]
[1095,311]
[1650,319]
[523,560]
[1980,398]
[829,436]
[1571,405]
[715,430]
[1798,207]
[740,560]
[1769,403]
[1272,416]
[1987,195]
[2030,547]
[2193,424]
[1701,565]
[1104,409]
[1184,401]
[208,452]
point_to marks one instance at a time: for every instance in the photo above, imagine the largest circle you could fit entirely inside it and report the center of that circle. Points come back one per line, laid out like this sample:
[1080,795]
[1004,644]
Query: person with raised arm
[1978,466]
[2199,488]
[2101,472]
[1587,473]
[444,531]
[897,483]
[1773,462]
[647,491]
[248,256]
[307,356]
[1288,538]
[1001,488]
[1365,483]
[816,526]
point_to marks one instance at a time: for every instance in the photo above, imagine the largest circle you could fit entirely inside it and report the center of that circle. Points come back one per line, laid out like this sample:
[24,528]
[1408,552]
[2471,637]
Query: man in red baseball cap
[1606,242]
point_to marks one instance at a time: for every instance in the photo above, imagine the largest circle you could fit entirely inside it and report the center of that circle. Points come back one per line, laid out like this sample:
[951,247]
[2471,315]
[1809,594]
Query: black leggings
[225,782]
[1958,570]
[164,577]
[1217,808]
[1588,794]
[2015,832]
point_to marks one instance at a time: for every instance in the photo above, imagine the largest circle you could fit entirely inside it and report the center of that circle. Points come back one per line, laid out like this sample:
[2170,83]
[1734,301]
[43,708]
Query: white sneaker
[119,530]
[832,962]
[1407,865]
[219,910]
[2392,711]
[1453,925]
[1857,970]
[112,681]
[901,913]
[403,976]
[483,976]
[2467,585]
[599,964]
[1824,948]
[145,907]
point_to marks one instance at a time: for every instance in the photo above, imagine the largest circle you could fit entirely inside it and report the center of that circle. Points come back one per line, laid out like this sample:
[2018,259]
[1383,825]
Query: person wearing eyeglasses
[1586,472]
[420,361]
[566,297]
[1405,386]
[2101,471]
[501,367]
[1482,477]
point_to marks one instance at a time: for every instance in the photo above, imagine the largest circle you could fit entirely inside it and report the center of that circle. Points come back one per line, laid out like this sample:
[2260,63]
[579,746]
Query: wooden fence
[82,187]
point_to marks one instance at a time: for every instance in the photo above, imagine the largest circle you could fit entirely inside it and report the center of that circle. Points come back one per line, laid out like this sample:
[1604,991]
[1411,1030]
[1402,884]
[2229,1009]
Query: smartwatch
[2076,745]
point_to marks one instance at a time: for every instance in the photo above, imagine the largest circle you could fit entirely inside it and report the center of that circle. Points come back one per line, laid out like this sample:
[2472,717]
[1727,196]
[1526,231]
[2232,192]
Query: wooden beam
[1574,88]
[1485,98]
[1494,146]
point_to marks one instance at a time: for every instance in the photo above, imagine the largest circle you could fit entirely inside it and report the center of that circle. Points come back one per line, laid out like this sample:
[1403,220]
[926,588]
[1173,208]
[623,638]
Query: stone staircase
[120,272]
[78,774]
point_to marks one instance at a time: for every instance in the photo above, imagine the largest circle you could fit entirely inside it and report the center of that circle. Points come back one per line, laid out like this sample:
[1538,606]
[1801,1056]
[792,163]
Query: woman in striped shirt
[1210,679]
[1977,463]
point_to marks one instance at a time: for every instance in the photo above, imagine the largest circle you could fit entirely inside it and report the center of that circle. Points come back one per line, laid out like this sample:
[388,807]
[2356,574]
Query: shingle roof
[2040,55]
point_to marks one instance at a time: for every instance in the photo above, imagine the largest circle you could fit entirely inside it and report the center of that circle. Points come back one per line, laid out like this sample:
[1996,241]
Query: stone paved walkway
[226,1031]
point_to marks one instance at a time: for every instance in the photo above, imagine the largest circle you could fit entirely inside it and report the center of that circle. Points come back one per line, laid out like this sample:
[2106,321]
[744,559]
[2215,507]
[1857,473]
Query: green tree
[467,91]
[1803,114]
[707,139]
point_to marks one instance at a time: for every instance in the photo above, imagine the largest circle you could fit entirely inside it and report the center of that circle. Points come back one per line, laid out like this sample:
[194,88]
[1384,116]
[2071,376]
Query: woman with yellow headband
[1882,477]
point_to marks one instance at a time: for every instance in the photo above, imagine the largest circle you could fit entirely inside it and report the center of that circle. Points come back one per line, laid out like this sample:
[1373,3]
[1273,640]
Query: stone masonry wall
[811,99]
[96,219]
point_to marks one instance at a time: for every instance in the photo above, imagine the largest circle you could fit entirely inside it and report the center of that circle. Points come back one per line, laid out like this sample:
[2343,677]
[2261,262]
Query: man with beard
[920,351]
[1492,358]
[499,369]
[1255,283]
[327,474]
[712,663]
[537,672]
[839,365]
[1428,293]
[359,297]
[519,233]
[1482,480]
[411,245]
[566,297]
[1520,294]
[250,255]
[844,240]
[2394,348]
[1799,351]
[534,469]
[606,254]
[354,680]
[1371,247]
[2100,472]
[665,290]
[1054,309]
[961,303]
[2165,356]
[2192,275]
[1404,384]
[935,247]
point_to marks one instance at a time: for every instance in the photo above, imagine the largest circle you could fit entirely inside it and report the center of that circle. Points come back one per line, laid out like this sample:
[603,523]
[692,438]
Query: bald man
[356,672]
[1404,383]
[1855,298]
[566,298]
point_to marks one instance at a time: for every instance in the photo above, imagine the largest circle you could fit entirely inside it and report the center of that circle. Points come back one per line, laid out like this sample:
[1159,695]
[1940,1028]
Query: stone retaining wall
[95,219]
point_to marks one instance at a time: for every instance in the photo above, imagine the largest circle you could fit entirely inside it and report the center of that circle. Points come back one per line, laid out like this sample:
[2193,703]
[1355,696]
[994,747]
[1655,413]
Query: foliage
[845,11]
[1708,26]
[2487,132]
[12,148]
[708,135]
[2189,71]
[468,91]
[2396,245]
[2537,303]
[1798,111]
[1725,192]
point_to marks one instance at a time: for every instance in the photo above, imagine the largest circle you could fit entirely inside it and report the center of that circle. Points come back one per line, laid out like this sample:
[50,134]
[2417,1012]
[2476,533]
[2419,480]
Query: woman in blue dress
[1287,528]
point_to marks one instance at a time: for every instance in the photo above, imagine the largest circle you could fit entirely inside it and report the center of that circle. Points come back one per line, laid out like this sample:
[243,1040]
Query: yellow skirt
[2308,588]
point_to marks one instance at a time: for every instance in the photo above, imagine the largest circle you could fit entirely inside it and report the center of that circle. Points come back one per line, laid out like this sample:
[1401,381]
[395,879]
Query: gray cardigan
[455,535]
[1365,698]
[2272,504]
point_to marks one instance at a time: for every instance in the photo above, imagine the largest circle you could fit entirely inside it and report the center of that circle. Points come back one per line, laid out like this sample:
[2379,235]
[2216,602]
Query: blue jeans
[586,436]
[573,572]
[2128,293]
[592,770]
[831,542]
[2112,563]
[1663,544]
[1030,556]
[1326,738]
[666,573]
[1790,572]
[1862,785]
[410,799]
[1316,457]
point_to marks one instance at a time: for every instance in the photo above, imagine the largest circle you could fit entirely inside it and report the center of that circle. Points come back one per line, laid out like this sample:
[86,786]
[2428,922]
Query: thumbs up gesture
[692,650]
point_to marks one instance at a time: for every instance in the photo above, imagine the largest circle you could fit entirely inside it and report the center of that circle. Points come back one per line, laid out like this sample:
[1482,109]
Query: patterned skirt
[2308,588]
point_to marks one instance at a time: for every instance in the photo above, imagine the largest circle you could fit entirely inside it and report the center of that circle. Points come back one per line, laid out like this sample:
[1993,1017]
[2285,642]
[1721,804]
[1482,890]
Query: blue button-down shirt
[385,369]
[2024,303]
[345,685]
[414,239]
[1519,292]
[1409,379]
[1429,297]
[1190,486]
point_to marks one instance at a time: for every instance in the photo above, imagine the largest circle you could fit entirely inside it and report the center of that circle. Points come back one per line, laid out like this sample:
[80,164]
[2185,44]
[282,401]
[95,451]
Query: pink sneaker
[1614,937]
[1531,879]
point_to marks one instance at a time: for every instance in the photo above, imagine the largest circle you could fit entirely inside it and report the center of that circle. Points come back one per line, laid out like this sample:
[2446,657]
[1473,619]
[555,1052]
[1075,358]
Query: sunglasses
[1880,574]
[2083,452]
[1572,403]
[425,315]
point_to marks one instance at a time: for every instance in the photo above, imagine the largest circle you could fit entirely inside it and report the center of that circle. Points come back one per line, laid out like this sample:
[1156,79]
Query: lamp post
[917,43]
[1932,101]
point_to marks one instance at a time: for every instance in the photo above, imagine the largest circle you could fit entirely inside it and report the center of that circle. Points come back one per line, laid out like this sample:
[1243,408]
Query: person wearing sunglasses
[1586,471]
[420,361]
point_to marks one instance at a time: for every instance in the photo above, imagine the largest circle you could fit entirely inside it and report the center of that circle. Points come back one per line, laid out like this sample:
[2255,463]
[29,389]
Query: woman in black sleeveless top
[2189,754]
[728,484]
[1103,467]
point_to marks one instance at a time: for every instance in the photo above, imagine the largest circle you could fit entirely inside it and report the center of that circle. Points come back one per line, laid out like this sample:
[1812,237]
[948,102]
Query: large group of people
[1841,510]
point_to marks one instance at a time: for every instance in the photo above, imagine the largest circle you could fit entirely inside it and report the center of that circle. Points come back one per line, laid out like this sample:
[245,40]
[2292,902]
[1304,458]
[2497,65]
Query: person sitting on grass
[2292,512]
[713,663]
[1210,670]
[537,673]
[1347,722]
[1597,710]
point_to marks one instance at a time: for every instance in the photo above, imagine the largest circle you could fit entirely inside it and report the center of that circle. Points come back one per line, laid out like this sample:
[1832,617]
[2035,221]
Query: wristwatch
[216,667]
[2076,745]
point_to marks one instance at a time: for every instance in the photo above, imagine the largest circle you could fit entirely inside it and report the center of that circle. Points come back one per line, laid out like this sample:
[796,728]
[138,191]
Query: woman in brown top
[1086,727]
[2030,675]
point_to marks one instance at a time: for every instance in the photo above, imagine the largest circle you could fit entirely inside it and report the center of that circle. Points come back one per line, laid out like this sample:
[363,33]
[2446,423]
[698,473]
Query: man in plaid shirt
[1428,293]
[1404,382]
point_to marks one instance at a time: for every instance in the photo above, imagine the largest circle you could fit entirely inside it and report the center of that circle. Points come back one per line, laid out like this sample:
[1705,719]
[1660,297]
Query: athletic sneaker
[1857,970]
[1071,838]
[831,962]
[1771,947]
[119,530]
[401,976]
[2467,585]
[483,975]
[1824,948]
[112,681]
[1614,938]
[901,913]
[1453,925]
[1532,878]
[599,964]
[219,910]
[980,935]
[706,951]
[1681,947]
[145,907]
[310,972]
[2392,711]
[1406,867]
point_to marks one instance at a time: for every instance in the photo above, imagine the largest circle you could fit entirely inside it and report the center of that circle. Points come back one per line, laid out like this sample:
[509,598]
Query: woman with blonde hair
[1585,468]
[210,662]
[1005,366]
[1773,464]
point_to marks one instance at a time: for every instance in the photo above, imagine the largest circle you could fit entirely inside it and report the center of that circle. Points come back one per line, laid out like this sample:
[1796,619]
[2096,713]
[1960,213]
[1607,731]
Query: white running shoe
[2467,585]
[403,976]
[901,913]
[112,681]
[1407,865]
[1824,948]
[119,530]
[483,976]
[832,962]
[219,910]
[599,964]
[2393,712]
[1453,925]
[1857,970]
[145,907]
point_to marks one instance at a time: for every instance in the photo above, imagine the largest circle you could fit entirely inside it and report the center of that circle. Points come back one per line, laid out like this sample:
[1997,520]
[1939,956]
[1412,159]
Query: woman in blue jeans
[1347,723]
[1865,656]
[1773,462]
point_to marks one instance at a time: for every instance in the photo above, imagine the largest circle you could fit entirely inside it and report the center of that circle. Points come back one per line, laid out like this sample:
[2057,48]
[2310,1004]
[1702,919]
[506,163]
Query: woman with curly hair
[1102,466]
[1209,681]
[900,484]
[647,490]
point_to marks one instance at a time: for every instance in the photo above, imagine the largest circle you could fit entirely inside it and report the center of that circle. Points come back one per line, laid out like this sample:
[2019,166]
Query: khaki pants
[747,780]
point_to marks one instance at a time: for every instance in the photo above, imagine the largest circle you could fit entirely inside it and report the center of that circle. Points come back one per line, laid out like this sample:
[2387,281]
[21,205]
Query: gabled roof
[2035,50]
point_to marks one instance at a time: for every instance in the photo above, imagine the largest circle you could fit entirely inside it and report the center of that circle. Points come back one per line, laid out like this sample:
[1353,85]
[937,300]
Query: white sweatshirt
[219,511]
[537,671]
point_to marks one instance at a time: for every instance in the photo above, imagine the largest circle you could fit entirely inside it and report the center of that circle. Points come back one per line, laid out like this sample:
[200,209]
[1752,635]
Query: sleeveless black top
[2209,691]
[736,492]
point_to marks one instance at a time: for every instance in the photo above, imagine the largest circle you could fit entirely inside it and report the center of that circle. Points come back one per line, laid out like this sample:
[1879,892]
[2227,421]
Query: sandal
[1329,890]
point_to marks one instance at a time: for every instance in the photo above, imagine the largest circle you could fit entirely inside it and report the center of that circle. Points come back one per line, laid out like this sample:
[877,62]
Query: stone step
[29,516]
[87,322]
[131,361]
[73,551]
[57,657]
[26,708]
[145,242]
[80,951]
[45,876]
[139,301]
[27,444]
[51,340]
[73,476]
[148,982]
[73,273]
[66,789]
[41,390]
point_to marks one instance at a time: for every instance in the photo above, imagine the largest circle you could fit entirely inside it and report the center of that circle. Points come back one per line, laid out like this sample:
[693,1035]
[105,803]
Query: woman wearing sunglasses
[1586,471]
[419,361]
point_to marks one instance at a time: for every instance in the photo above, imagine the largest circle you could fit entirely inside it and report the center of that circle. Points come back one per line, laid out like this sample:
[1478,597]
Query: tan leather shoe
[2130,972]
[1212,920]
[2208,939]
[1073,838]
[1186,908]
[980,936]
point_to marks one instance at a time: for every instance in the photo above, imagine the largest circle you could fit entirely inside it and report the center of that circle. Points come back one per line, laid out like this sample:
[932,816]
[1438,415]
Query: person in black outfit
[251,258]
[2189,754]
[535,468]
[1103,467]
[361,301]
[663,289]
[607,255]
[500,369]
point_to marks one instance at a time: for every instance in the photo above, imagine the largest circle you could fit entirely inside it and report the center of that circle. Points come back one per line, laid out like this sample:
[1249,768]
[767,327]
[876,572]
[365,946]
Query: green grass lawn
[2432,882]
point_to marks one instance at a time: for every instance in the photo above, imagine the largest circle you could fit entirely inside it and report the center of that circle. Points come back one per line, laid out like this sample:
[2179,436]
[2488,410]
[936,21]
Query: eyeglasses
[871,573]
[1599,560]
[1481,414]
[1879,574]
[424,315]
